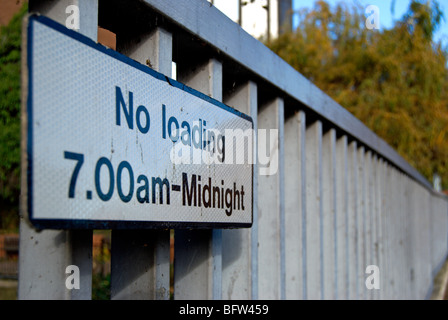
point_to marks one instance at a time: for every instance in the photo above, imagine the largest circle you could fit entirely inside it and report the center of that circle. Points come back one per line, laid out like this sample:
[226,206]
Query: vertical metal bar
[269,209]
[192,265]
[82,240]
[132,265]
[361,225]
[432,249]
[409,242]
[302,140]
[443,227]
[369,218]
[386,236]
[217,264]
[413,240]
[418,243]
[295,127]
[401,222]
[366,223]
[392,232]
[140,261]
[314,232]
[438,222]
[426,255]
[342,218]
[238,258]
[216,92]
[321,218]
[254,235]
[45,255]
[153,48]
[353,221]
[403,243]
[329,214]
[281,168]
[421,245]
[406,244]
[81,256]
[56,10]
[43,258]
[380,230]
[374,219]
[198,253]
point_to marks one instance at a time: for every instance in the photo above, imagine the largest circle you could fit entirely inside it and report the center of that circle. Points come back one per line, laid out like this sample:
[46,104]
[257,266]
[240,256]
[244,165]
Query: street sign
[111,143]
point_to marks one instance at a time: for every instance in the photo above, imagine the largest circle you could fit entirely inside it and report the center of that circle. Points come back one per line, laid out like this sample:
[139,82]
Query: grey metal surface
[270,211]
[314,212]
[329,214]
[294,210]
[342,218]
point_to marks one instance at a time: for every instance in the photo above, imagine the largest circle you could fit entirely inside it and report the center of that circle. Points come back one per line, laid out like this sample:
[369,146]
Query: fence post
[376,241]
[386,213]
[369,260]
[361,222]
[314,211]
[140,259]
[239,257]
[198,253]
[342,217]
[44,255]
[270,208]
[295,206]
[352,221]
[382,199]
[329,215]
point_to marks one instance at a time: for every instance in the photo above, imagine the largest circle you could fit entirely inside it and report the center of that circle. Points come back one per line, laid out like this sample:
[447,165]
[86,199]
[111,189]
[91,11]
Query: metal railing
[342,199]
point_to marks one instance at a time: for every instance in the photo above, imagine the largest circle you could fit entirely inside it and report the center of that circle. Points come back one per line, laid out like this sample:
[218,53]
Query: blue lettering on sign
[196,135]
[194,192]
[129,113]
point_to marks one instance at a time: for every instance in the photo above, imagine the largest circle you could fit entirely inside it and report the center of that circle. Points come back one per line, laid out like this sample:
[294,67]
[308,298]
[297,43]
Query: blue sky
[386,17]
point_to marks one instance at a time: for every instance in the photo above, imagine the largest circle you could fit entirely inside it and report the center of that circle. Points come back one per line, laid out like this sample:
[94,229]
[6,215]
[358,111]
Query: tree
[10,41]
[395,81]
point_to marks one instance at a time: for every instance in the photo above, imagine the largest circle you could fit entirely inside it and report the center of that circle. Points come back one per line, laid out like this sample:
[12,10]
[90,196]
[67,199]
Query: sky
[385,15]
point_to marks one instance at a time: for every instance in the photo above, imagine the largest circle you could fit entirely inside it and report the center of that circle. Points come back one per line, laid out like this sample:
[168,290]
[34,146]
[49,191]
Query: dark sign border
[26,201]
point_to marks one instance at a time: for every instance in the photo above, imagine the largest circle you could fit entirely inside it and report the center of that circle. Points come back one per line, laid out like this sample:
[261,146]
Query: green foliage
[100,286]
[10,41]
[395,81]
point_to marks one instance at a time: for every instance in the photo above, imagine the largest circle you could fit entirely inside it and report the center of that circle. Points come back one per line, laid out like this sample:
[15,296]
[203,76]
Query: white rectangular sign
[111,143]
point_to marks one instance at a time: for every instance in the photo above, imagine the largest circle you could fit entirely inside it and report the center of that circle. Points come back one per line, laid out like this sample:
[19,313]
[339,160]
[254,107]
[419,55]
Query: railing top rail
[197,16]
